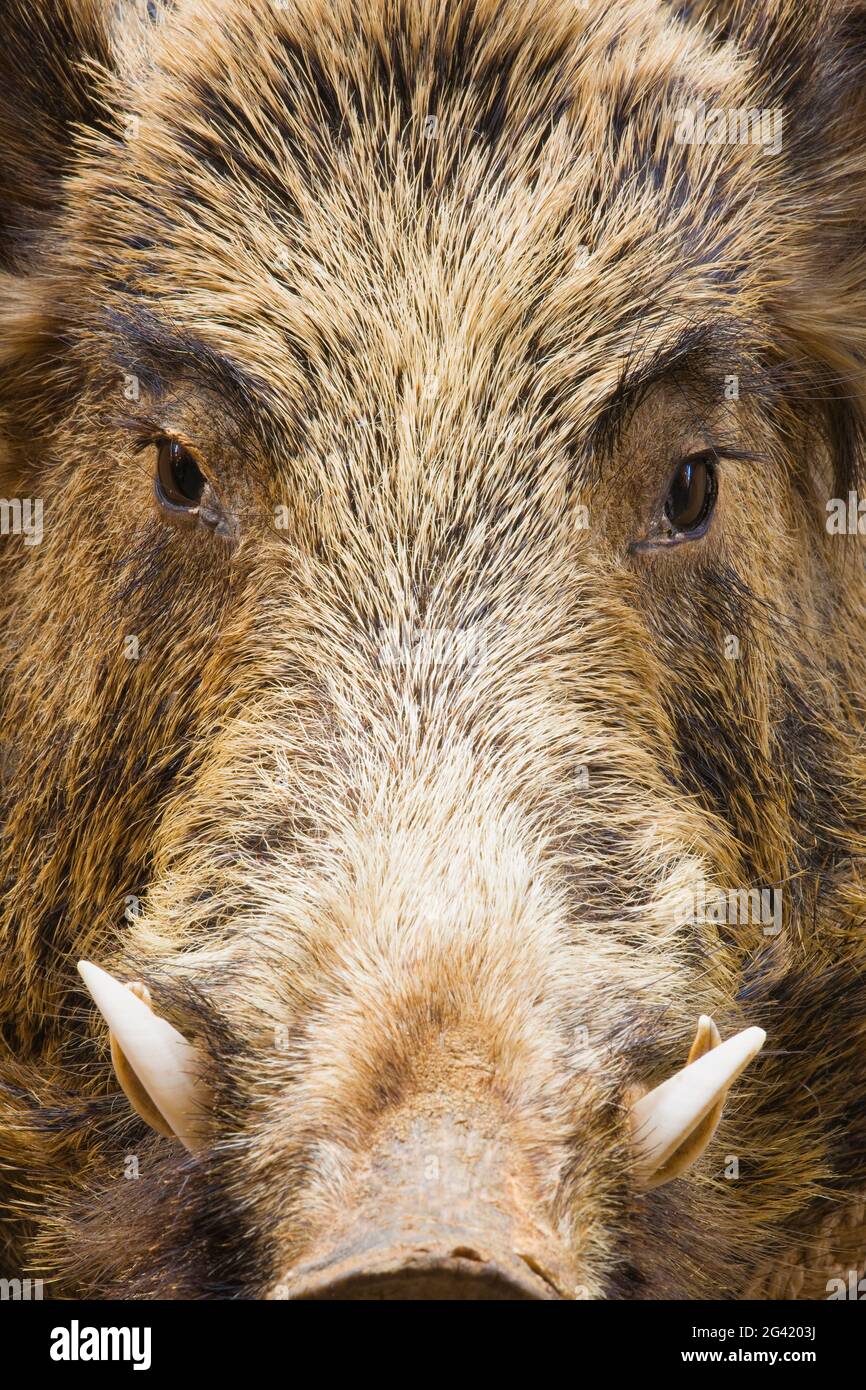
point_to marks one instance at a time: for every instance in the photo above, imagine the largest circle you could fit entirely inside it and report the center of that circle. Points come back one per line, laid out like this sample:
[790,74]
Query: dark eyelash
[145,442]
[737,455]
[145,433]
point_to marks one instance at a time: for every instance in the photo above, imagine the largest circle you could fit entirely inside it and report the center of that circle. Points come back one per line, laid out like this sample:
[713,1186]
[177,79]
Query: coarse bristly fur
[438,299]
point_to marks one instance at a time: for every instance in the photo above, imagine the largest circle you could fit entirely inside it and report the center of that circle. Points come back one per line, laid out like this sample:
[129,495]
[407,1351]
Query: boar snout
[441,1209]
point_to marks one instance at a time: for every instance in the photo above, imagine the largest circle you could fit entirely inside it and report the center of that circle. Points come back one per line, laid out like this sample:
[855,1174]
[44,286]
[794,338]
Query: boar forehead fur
[424,280]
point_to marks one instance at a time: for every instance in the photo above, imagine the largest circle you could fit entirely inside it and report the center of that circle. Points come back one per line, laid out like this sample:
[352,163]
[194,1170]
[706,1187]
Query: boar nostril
[461,1273]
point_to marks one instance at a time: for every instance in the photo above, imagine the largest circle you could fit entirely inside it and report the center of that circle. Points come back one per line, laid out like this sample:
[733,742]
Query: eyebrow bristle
[693,348]
[147,345]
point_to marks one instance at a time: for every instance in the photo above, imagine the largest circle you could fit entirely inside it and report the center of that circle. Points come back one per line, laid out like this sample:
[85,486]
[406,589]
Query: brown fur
[396,862]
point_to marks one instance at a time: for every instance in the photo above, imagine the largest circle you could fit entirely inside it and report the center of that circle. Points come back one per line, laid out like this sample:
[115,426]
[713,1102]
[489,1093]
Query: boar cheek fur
[400,869]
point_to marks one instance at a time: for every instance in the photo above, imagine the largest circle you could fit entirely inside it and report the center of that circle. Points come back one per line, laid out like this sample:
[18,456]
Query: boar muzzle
[437,1213]
[443,1205]
[445,1209]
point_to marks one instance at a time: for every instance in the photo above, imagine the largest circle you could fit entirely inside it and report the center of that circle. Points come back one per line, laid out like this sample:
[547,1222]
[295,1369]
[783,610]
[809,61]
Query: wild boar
[437,686]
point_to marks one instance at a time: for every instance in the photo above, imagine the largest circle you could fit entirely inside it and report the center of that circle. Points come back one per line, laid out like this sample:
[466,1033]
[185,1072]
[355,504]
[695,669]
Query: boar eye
[692,493]
[179,480]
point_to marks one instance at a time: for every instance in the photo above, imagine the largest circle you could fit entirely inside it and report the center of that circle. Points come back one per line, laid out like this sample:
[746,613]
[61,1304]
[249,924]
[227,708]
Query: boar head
[434,412]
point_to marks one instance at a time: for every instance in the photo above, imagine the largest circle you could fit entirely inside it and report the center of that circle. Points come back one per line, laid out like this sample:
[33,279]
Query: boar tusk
[706,1038]
[135,1092]
[673,1124]
[154,1063]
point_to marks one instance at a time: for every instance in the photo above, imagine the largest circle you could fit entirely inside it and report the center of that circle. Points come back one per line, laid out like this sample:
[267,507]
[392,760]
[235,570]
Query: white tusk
[135,1092]
[155,1065]
[706,1038]
[665,1120]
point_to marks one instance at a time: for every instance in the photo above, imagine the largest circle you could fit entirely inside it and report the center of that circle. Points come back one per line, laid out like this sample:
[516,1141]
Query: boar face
[435,613]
